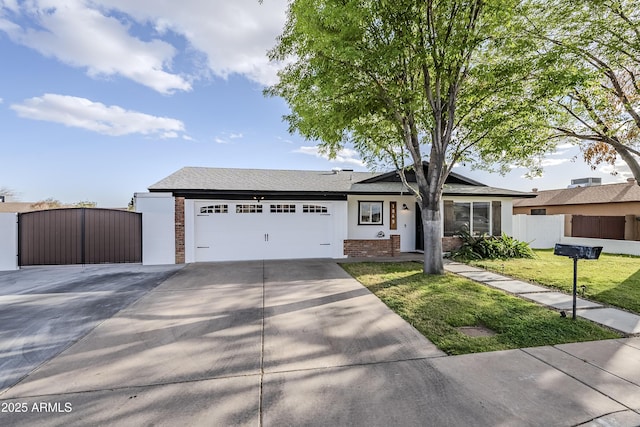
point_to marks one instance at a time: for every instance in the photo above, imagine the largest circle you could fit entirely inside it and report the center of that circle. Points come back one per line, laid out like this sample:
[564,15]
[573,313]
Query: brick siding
[451,243]
[179,219]
[360,248]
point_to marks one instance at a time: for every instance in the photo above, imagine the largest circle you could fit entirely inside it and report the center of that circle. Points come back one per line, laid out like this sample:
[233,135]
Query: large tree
[592,50]
[409,81]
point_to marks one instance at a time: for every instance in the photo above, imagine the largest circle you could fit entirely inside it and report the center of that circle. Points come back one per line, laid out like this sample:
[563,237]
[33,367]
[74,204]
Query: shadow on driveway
[44,310]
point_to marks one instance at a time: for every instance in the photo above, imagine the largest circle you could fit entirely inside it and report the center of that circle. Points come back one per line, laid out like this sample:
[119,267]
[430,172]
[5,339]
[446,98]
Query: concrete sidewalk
[302,343]
[620,320]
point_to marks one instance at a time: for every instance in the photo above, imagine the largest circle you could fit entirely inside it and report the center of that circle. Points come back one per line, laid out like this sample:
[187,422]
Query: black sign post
[577,252]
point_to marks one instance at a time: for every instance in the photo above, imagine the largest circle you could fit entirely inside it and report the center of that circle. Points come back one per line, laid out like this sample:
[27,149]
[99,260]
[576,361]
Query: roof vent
[336,170]
[534,190]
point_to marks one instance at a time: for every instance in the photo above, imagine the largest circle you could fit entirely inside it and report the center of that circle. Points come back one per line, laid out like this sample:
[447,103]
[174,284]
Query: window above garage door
[214,209]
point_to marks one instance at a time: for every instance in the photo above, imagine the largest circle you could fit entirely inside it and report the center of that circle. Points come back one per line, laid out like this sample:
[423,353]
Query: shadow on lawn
[625,295]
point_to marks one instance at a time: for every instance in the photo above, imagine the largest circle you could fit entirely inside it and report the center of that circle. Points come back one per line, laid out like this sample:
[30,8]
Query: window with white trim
[369,213]
[214,209]
[249,208]
[314,209]
[283,208]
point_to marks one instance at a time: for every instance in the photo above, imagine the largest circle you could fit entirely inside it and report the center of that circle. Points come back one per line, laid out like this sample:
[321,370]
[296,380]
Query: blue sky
[100,99]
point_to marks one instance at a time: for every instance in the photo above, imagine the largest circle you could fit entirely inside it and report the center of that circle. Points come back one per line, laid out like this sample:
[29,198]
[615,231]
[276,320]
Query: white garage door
[231,230]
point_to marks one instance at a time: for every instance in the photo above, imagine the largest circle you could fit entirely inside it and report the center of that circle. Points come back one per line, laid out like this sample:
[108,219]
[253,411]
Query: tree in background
[85,204]
[410,81]
[592,53]
[7,193]
[49,203]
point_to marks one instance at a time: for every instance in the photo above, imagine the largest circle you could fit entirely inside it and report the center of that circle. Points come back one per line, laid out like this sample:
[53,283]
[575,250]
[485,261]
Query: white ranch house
[202,214]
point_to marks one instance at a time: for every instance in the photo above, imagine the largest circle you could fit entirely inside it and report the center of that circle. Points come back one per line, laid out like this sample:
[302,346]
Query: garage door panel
[227,235]
[281,230]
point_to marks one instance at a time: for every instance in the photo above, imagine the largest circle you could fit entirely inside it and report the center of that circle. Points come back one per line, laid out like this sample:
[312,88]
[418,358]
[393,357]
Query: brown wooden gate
[79,236]
[598,227]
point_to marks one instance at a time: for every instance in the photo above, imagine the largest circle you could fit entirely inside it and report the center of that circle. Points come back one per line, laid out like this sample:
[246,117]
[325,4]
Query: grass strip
[438,305]
[612,279]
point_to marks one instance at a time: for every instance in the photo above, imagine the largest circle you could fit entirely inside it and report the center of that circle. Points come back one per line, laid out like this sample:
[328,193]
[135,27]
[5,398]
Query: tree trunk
[631,161]
[431,224]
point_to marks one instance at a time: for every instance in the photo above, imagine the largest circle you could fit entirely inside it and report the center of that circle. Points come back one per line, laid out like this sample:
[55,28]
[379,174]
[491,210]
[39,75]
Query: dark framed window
[370,213]
[538,211]
[248,208]
[214,209]
[481,218]
[283,208]
[477,218]
[314,209]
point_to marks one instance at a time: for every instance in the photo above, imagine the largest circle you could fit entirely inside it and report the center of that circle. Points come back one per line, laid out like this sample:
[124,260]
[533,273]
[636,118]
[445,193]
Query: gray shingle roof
[609,193]
[241,180]
[448,190]
[199,178]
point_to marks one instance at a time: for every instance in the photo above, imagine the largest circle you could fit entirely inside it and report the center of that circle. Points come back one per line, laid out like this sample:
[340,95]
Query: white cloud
[227,137]
[346,155]
[81,36]
[553,162]
[234,35]
[288,141]
[565,146]
[619,169]
[99,35]
[95,116]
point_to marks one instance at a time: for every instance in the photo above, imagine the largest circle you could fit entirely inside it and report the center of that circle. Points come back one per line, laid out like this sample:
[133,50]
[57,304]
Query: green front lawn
[438,305]
[612,279]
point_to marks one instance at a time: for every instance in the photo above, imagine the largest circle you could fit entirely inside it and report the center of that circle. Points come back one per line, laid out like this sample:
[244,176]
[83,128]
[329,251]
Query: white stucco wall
[158,227]
[8,241]
[406,220]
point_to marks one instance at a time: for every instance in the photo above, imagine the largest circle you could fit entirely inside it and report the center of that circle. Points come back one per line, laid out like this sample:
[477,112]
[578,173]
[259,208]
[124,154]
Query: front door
[419,229]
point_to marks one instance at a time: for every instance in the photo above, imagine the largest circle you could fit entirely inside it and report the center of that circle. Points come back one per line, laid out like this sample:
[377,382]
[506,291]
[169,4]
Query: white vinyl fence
[540,231]
[544,231]
[8,241]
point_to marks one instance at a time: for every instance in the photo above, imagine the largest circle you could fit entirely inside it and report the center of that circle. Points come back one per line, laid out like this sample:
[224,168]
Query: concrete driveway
[43,310]
[301,343]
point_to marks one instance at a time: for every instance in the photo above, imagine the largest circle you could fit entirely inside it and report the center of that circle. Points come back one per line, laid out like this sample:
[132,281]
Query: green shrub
[490,247]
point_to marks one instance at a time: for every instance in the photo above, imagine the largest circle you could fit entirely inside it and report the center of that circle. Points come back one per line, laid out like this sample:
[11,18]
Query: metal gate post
[82,236]
[575,285]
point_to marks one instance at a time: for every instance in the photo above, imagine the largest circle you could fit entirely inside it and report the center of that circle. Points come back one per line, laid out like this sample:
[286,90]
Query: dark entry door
[419,229]
[79,236]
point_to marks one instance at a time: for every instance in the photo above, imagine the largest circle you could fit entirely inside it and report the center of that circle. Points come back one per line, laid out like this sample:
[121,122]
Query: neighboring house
[21,207]
[608,199]
[244,214]
[17,207]
[616,204]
